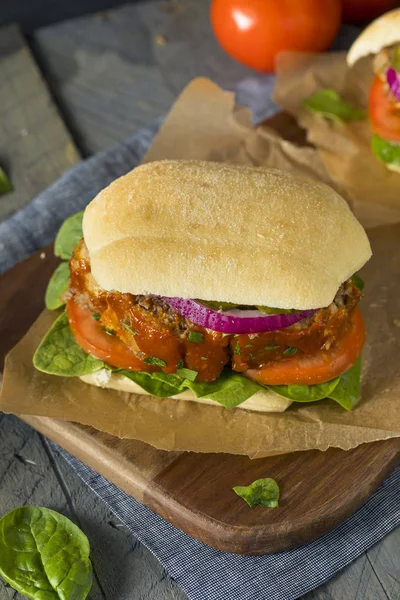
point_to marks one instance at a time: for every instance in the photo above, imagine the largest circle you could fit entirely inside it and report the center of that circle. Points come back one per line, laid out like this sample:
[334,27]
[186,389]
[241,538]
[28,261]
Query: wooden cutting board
[194,491]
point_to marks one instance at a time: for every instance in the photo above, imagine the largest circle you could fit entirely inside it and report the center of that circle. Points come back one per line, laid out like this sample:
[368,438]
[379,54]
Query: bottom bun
[263,401]
[394,168]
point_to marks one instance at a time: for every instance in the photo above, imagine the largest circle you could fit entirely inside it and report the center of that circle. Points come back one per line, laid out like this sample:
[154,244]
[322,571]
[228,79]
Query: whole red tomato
[356,11]
[254,31]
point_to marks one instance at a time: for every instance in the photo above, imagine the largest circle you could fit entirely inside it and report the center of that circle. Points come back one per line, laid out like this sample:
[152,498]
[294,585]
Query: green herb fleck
[180,365]
[5,183]
[195,336]
[330,105]
[290,351]
[187,374]
[126,326]
[153,360]
[249,345]
[252,356]
[357,281]
[262,492]
[96,317]
[225,335]
[203,358]
[271,347]
[109,331]
[237,349]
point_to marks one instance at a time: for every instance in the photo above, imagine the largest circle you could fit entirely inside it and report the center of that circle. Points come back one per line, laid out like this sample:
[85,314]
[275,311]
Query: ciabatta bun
[216,231]
[263,401]
[394,168]
[381,33]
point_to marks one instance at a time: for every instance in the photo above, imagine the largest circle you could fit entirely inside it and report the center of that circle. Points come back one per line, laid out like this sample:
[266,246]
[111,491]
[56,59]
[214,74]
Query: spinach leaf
[347,391]
[187,373]
[43,555]
[59,353]
[329,104]
[262,492]
[161,385]
[305,393]
[68,236]
[5,183]
[230,389]
[344,389]
[388,152]
[358,282]
[57,286]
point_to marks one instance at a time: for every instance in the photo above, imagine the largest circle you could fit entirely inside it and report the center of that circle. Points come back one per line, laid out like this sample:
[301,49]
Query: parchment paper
[204,123]
[372,190]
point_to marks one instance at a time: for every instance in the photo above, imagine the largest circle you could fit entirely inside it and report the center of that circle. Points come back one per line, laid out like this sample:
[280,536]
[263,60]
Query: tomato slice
[321,367]
[91,336]
[383,114]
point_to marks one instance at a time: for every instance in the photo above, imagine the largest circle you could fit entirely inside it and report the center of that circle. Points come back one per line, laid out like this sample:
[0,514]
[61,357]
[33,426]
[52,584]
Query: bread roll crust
[381,33]
[216,231]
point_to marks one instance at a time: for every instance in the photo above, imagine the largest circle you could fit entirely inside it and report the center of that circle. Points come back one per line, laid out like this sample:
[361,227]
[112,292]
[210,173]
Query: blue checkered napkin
[208,574]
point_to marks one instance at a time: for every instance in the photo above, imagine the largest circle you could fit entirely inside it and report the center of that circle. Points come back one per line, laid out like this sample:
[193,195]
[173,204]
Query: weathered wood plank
[373,576]
[118,71]
[35,146]
[37,13]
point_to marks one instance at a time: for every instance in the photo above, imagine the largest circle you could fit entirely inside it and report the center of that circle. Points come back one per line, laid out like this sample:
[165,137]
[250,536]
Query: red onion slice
[393,79]
[234,321]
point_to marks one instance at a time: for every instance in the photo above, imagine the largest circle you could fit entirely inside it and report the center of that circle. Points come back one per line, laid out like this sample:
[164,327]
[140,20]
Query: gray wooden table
[76,88]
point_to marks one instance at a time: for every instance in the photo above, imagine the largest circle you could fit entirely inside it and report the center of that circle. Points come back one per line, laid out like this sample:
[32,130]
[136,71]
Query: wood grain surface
[35,146]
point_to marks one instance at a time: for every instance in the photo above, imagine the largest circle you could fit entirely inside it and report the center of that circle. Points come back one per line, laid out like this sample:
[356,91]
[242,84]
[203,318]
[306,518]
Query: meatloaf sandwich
[203,281]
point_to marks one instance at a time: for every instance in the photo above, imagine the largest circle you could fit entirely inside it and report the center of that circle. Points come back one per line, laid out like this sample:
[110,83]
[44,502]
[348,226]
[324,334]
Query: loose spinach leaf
[57,287]
[262,492]
[387,152]
[59,353]
[43,555]
[347,391]
[329,104]
[5,183]
[68,236]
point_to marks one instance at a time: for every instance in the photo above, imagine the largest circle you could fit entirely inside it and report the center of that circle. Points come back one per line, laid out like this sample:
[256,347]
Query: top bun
[216,231]
[381,33]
